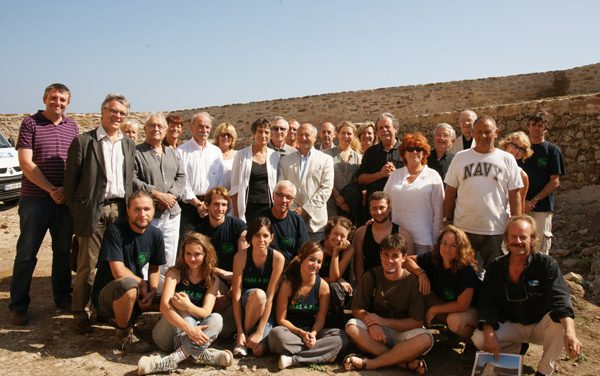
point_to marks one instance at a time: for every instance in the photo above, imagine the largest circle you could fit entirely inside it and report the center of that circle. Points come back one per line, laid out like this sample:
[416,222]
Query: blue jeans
[38,215]
[169,338]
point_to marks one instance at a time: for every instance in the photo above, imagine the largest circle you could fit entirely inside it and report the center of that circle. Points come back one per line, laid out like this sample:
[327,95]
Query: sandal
[420,369]
[349,364]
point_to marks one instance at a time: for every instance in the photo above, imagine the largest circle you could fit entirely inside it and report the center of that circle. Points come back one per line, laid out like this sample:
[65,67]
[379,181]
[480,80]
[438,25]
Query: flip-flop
[420,369]
[349,365]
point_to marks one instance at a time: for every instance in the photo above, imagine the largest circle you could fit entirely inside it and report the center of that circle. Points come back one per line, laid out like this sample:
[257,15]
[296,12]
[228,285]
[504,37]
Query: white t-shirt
[483,182]
[417,206]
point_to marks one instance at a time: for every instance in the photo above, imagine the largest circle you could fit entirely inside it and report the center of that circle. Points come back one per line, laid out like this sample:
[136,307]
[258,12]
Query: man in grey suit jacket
[98,180]
[311,171]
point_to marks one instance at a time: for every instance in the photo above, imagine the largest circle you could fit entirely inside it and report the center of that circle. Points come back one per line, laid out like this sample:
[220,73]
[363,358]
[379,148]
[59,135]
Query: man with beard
[120,292]
[368,237]
[441,156]
[289,228]
[525,300]
[388,315]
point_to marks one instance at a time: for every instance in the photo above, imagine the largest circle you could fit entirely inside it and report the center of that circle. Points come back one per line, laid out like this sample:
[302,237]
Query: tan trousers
[543,226]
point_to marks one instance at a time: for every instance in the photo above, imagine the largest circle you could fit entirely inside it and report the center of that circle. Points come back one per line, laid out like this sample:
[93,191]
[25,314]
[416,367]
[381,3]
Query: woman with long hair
[256,274]
[302,304]
[188,324]
[448,276]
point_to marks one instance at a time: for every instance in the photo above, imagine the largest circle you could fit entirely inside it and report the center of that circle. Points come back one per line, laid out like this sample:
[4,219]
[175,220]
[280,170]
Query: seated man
[228,235]
[524,299]
[289,228]
[388,315]
[120,293]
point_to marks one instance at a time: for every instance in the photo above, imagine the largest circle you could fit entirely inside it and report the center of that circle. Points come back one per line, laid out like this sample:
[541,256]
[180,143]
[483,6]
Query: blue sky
[168,55]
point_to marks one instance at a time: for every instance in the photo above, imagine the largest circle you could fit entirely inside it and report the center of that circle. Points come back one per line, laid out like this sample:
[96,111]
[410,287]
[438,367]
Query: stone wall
[509,99]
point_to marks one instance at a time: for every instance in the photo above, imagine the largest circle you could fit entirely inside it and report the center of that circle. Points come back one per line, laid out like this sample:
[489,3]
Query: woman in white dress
[225,138]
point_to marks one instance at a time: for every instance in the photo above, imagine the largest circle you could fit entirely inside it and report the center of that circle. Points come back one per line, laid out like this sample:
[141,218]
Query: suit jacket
[85,179]
[314,188]
[459,146]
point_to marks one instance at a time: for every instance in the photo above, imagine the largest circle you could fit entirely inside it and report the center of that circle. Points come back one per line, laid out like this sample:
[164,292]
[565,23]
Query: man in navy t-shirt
[120,292]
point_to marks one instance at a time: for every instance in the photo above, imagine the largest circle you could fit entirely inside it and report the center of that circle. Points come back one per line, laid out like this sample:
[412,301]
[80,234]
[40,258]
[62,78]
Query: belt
[116,200]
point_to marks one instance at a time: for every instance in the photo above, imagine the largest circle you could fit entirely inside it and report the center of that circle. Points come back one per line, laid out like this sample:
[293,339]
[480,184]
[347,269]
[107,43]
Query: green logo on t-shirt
[542,162]
[227,249]
[142,258]
[287,243]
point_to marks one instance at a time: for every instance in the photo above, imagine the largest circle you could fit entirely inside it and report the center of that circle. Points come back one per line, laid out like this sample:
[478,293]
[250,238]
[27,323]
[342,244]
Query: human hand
[58,195]
[347,287]
[146,299]
[491,343]
[254,339]
[165,200]
[202,209]
[431,313]
[424,284]
[373,318]
[181,301]
[572,345]
[376,333]
[196,334]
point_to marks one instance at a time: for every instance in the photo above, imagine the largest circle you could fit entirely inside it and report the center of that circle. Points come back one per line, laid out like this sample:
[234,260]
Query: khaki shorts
[393,336]
[113,291]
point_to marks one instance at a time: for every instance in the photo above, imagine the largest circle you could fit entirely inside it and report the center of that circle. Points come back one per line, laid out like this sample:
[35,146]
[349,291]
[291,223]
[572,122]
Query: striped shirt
[49,144]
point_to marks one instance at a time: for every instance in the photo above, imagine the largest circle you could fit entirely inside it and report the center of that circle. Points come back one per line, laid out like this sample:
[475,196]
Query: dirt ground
[48,346]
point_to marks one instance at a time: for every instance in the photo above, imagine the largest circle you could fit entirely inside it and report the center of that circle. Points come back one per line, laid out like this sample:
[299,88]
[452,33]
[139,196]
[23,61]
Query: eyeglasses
[224,135]
[283,195]
[279,129]
[519,148]
[410,149]
[512,299]
[159,126]
[114,111]
[451,245]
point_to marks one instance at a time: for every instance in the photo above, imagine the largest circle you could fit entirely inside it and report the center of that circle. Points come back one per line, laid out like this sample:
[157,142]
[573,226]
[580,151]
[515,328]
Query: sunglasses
[519,148]
[277,129]
[226,135]
[410,149]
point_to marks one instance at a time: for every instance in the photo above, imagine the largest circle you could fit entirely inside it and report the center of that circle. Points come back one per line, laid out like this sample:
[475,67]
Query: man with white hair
[279,131]
[441,156]
[311,171]
[292,132]
[466,120]
[289,228]
[158,171]
[203,166]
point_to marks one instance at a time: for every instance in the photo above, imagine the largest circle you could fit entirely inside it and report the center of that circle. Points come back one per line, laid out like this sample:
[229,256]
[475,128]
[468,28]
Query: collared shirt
[440,165]
[49,144]
[285,150]
[374,159]
[203,167]
[161,173]
[304,161]
[541,289]
[114,160]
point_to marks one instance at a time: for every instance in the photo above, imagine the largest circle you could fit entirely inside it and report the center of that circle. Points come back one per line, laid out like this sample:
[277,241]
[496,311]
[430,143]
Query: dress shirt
[114,159]
[203,167]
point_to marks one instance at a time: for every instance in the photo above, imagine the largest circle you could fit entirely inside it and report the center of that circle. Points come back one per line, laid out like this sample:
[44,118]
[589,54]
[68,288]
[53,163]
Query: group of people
[291,246]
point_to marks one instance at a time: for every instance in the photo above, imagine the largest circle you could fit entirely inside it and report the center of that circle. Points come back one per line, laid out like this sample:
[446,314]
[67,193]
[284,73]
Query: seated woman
[448,272]
[337,254]
[302,304]
[256,273]
[187,324]
[518,144]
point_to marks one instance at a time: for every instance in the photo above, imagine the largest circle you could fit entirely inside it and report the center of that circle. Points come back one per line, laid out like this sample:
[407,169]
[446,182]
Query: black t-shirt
[290,232]
[445,283]
[441,165]
[224,238]
[374,159]
[121,243]
[546,160]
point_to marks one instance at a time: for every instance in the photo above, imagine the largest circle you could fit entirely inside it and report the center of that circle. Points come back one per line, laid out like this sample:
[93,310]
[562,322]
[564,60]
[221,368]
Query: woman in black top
[302,304]
[449,273]
[256,273]
[188,325]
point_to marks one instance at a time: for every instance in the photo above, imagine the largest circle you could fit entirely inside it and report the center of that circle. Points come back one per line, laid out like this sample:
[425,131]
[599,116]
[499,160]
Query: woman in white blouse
[254,173]
[225,138]
[417,193]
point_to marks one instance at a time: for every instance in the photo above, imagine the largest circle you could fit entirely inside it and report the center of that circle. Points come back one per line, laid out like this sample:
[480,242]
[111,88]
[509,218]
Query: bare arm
[37,177]
[357,244]
[449,201]
[514,199]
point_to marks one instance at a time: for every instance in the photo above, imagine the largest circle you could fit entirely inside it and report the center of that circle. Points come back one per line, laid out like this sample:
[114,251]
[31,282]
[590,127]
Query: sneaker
[240,350]
[214,357]
[154,364]
[19,318]
[285,361]
[82,323]
[129,342]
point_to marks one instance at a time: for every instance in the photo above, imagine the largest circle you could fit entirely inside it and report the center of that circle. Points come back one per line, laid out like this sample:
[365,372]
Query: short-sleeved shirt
[374,159]
[391,299]
[290,232]
[121,243]
[547,160]
[445,283]
[224,238]
[440,165]
[49,144]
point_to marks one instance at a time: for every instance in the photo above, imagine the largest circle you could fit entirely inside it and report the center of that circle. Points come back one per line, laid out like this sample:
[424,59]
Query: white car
[10,171]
